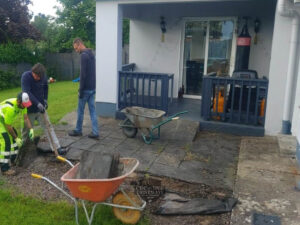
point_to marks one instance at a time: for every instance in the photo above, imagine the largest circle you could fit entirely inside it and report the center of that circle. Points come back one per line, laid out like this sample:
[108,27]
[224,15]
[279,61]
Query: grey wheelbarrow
[148,121]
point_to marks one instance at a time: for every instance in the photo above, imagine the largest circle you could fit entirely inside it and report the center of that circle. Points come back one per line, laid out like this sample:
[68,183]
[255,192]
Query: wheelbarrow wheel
[128,216]
[129,131]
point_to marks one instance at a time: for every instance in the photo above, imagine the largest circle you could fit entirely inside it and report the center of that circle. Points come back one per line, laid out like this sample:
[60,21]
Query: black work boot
[93,136]
[36,140]
[74,133]
[61,151]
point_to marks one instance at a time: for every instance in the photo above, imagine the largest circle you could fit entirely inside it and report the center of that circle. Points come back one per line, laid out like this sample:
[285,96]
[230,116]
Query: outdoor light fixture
[256,29]
[163,28]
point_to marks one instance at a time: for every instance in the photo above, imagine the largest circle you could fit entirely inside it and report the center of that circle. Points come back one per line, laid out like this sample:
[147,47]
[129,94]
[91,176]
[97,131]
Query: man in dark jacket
[35,83]
[87,89]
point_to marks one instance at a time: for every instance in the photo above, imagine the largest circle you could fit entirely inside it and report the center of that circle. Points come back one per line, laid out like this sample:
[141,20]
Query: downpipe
[284,10]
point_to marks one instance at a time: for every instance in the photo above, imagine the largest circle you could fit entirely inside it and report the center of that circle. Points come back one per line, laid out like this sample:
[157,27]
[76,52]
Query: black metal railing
[128,67]
[149,90]
[234,100]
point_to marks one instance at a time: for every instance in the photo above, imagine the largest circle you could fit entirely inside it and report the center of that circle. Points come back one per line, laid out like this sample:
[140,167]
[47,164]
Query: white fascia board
[168,1]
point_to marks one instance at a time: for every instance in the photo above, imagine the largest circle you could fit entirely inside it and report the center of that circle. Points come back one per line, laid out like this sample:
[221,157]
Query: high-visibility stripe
[9,103]
[9,153]
[4,160]
[13,145]
[14,152]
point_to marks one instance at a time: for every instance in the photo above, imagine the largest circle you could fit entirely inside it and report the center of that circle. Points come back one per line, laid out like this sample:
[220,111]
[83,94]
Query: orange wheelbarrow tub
[126,206]
[97,190]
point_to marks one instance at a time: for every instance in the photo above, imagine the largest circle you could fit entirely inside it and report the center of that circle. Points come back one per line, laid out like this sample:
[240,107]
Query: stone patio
[207,158]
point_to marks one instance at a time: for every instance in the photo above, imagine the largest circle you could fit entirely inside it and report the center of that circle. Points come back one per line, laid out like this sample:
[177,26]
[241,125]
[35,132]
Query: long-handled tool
[51,132]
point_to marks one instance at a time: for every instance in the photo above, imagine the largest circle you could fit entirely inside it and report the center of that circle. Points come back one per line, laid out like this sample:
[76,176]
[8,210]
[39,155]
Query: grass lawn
[16,209]
[62,98]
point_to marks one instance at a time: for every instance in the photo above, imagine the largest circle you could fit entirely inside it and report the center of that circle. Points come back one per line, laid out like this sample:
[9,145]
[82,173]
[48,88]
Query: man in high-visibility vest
[9,140]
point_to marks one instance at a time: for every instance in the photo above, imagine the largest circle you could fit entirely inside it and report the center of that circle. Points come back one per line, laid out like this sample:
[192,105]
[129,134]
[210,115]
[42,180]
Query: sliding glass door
[207,48]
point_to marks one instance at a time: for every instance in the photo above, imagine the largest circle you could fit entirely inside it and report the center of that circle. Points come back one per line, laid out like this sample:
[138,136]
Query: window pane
[219,49]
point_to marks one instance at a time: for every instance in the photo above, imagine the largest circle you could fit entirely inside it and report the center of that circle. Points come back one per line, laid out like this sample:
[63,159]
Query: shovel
[50,131]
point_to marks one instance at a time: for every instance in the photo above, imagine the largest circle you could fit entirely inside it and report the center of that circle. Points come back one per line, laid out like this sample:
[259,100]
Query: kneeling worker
[9,141]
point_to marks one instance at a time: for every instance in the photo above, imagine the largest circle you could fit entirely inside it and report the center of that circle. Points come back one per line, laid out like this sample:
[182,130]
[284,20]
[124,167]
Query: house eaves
[169,1]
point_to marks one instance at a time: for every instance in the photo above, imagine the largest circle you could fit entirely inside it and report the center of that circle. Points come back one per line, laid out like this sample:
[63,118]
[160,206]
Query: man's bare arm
[11,131]
[27,121]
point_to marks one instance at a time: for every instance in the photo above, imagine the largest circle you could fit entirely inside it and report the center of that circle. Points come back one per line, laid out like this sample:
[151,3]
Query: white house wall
[296,97]
[108,55]
[152,55]
[277,83]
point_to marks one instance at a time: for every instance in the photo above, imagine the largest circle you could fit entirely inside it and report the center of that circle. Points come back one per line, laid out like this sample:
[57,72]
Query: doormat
[261,219]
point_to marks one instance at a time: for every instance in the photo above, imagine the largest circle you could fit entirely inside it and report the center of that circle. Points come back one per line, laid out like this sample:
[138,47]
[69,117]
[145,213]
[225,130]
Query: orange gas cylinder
[220,105]
[262,107]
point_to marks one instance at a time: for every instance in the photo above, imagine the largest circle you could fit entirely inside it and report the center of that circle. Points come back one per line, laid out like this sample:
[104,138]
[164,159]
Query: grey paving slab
[190,175]
[101,148]
[84,143]
[287,144]
[265,183]
[74,153]
[169,159]
[193,165]
[166,170]
[179,130]
[66,141]
[118,134]
[111,142]
[209,159]
[133,142]
[176,148]
[126,151]
[155,148]
[44,146]
[110,122]
[146,159]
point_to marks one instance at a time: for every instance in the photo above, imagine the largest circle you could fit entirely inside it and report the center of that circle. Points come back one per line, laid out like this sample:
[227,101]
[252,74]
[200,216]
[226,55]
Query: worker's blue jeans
[88,97]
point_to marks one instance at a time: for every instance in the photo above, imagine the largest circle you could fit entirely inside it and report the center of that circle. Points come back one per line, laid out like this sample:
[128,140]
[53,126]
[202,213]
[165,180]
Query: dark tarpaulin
[174,204]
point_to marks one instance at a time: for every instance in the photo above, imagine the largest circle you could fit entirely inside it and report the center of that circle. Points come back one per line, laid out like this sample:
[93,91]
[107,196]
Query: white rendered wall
[277,77]
[108,50]
[152,55]
[296,98]
[277,80]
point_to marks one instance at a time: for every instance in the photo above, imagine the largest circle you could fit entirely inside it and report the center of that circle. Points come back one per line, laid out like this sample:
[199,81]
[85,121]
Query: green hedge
[8,79]
[16,53]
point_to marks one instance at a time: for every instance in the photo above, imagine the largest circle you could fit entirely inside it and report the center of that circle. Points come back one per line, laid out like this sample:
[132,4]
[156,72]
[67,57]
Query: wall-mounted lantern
[256,29]
[163,28]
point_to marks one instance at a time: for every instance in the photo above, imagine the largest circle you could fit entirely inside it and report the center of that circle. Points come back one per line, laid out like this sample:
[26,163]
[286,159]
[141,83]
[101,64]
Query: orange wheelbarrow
[127,206]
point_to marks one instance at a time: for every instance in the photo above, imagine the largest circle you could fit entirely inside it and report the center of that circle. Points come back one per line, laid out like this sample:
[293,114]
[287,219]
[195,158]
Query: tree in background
[126,23]
[50,33]
[78,17]
[14,21]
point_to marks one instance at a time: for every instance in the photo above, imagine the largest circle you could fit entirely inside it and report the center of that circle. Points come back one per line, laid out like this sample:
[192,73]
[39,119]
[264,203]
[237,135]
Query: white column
[108,55]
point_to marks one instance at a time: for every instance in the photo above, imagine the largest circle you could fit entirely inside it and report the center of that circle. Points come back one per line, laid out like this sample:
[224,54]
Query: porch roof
[170,1]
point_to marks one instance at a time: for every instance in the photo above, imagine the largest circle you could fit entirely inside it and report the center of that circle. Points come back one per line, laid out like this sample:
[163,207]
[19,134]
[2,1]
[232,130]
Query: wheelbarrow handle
[148,140]
[177,114]
[168,119]
[65,160]
[37,176]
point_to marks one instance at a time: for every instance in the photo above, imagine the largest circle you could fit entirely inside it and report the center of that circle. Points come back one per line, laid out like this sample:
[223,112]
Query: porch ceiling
[203,8]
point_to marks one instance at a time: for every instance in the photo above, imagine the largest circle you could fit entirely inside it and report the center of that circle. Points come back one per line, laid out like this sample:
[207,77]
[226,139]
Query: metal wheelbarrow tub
[97,190]
[143,117]
[147,120]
